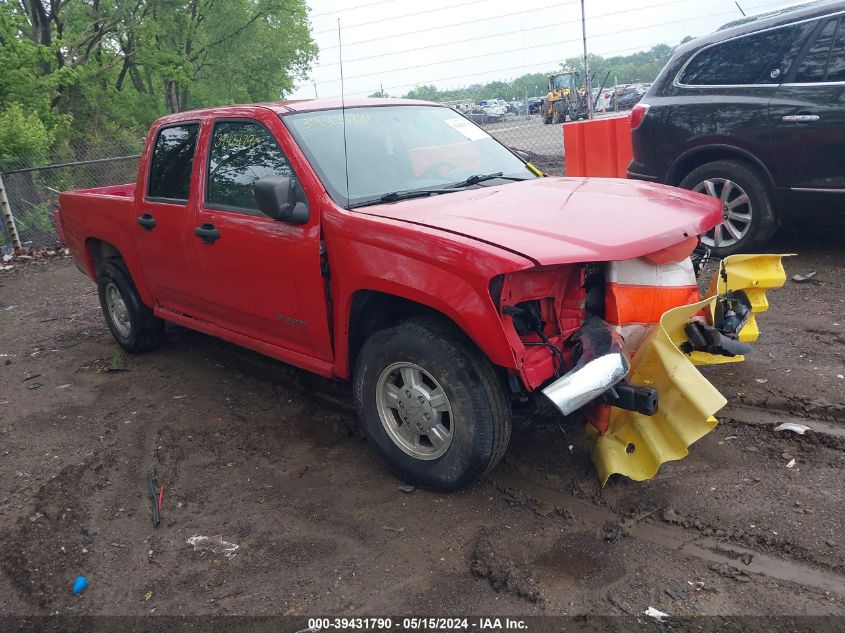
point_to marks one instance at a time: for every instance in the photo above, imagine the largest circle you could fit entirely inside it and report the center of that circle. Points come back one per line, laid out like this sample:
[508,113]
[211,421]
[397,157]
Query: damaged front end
[630,366]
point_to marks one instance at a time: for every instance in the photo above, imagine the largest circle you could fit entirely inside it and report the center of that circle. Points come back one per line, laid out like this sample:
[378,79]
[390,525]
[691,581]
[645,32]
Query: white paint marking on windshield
[472,132]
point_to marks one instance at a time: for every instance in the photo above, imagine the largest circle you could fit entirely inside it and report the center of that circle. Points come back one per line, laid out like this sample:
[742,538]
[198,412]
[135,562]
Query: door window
[241,153]
[762,58]
[172,162]
[836,65]
[813,68]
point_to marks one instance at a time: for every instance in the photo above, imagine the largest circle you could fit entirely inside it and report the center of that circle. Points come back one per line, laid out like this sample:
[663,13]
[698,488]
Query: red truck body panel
[263,283]
[566,220]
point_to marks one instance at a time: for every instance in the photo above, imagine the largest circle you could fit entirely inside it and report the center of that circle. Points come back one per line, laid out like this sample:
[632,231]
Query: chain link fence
[543,143]
[32,186]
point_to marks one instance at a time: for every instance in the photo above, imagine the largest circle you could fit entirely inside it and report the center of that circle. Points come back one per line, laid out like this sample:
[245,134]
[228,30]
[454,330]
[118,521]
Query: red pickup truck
[397,244]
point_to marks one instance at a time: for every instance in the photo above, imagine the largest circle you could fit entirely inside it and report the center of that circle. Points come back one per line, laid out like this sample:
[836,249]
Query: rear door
[807,114]
[165,218]
[262,277]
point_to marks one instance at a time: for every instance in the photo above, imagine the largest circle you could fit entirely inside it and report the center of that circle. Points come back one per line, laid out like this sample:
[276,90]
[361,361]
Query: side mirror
[275,197]
[523,155]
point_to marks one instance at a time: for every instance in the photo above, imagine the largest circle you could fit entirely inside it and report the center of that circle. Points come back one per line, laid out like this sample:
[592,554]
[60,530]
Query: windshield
[561,82]
[398,148]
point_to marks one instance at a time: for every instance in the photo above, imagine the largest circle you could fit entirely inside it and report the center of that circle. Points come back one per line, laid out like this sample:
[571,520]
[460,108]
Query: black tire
[544,112]
[145,331]
[480,425]
[763,222]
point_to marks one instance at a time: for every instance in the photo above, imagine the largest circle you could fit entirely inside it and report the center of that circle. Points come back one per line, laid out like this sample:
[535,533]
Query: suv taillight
[638,114]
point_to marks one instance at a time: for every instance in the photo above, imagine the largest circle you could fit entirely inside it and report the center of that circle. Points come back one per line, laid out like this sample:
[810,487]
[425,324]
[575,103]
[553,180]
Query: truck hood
[565,220]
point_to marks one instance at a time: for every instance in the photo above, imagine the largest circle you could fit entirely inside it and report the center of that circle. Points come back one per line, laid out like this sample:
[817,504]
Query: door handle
[147,221]
[207,233]
[800,118]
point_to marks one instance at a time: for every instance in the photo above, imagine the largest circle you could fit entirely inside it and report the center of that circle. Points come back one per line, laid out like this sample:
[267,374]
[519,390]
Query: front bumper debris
[602,364]
[636,445]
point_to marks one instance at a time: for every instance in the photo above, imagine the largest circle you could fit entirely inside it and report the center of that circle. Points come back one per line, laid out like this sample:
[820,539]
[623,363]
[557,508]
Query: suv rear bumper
[637,171]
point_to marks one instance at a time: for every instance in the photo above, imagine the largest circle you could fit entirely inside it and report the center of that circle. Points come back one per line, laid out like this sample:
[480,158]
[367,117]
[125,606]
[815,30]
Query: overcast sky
[450,43]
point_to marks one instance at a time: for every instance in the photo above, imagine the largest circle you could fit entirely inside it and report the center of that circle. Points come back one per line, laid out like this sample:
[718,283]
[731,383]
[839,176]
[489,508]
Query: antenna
[343,111]
[740,8]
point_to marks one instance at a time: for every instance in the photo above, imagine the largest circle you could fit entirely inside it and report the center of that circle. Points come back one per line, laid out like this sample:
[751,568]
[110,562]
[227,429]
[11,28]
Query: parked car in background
[627,96]
[494,109]
[602,99]
[534,104]
[754,115]
[464,106]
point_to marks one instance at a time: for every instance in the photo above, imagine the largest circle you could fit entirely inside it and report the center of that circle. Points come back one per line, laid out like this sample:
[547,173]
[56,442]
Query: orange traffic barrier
[600,148]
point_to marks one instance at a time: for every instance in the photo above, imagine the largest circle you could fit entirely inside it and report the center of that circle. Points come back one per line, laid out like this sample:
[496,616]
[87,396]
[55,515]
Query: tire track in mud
[531,494]
[771,416]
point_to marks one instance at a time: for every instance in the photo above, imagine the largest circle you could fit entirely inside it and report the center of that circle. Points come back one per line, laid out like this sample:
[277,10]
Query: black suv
[753,114]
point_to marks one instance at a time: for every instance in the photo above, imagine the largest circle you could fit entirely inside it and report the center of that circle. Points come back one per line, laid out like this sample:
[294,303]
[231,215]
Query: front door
[164,220]
[807,116]
[262,276]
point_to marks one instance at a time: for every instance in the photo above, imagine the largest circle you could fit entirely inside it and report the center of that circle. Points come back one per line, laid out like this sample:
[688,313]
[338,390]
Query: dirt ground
[269,459]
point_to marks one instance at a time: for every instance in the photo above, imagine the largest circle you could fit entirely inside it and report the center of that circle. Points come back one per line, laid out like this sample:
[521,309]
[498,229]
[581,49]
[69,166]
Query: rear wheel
[131,322]
[431,404]
[748,218]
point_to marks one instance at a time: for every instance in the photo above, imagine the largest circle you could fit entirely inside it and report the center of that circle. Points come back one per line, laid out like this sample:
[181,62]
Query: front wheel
[748,218]
[431,404]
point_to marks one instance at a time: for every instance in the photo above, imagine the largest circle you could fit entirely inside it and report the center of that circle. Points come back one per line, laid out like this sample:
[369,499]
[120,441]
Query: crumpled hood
[566,220]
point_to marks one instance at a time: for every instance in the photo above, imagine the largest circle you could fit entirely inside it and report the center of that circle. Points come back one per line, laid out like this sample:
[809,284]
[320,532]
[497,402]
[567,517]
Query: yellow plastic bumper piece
[636,445]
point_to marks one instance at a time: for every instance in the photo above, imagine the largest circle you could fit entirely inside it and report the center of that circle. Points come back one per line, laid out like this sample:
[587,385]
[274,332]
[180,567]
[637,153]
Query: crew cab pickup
[398,245]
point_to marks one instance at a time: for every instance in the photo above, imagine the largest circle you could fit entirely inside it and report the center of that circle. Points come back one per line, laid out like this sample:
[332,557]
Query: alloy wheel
[414,410]
[736,212]
[118,311]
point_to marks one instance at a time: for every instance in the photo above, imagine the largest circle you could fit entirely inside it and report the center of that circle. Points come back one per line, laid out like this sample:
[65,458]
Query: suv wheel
[747,215]
[431,404]
[131,322]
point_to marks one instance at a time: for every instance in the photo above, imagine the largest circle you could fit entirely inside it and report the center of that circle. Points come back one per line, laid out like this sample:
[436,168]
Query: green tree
[23,137]
[112,66]
[642,66]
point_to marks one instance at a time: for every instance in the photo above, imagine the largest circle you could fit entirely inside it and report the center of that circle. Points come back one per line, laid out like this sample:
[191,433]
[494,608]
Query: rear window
[172,162]
[762,58]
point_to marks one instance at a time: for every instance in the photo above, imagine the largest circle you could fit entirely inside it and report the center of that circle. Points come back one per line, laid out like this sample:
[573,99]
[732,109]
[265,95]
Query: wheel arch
[374,310]
[696,157]
[98,251]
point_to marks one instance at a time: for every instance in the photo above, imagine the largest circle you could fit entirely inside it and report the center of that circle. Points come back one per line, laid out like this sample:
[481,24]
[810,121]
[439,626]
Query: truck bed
[100,213]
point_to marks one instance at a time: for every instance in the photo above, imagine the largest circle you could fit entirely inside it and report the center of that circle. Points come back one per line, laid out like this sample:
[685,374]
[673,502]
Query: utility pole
[315,89]
[587,86]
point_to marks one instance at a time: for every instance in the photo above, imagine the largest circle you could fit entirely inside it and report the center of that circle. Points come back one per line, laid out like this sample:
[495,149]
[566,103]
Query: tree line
[642,66]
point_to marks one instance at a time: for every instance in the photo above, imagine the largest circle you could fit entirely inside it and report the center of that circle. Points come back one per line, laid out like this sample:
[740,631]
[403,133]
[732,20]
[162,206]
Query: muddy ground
[269,458]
